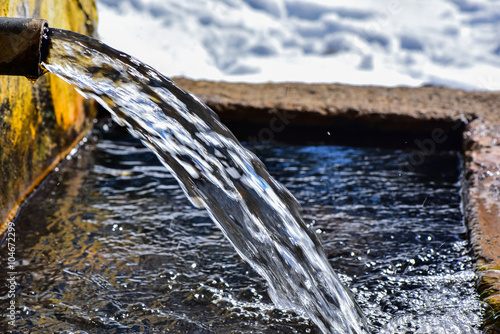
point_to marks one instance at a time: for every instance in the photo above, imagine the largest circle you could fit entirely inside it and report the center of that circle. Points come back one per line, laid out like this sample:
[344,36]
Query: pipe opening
[24,45]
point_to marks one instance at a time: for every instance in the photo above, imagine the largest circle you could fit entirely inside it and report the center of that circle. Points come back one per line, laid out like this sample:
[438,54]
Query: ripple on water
[117,248]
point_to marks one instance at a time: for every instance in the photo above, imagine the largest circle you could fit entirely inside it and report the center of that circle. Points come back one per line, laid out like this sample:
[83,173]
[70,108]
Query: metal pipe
[22,46]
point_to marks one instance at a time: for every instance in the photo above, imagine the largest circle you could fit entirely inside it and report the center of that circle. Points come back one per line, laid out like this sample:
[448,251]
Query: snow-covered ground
[454,43]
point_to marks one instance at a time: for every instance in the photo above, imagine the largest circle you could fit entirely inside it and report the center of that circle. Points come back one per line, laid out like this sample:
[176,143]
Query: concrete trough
[423,120]
[40,123]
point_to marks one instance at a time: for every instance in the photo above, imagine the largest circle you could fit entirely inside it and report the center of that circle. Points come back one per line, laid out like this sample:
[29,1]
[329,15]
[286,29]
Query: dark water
[110,244]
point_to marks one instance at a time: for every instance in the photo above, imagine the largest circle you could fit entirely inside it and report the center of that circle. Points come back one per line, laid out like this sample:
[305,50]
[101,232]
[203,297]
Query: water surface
[259,216]
[110,244]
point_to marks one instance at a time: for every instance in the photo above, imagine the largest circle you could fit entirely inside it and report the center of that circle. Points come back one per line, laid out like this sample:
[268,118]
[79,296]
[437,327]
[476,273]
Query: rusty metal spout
[22,44]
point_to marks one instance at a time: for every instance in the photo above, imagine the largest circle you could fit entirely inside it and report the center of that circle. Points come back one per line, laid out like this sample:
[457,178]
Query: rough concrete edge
[481,204]
[473,114]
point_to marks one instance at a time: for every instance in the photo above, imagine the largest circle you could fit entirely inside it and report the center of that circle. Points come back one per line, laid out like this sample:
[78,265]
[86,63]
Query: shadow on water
[110,244]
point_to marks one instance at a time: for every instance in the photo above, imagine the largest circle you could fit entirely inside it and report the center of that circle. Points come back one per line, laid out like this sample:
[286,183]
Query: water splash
[256,213]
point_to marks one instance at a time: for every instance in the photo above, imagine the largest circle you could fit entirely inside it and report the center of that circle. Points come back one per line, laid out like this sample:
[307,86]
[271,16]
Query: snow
[451,43]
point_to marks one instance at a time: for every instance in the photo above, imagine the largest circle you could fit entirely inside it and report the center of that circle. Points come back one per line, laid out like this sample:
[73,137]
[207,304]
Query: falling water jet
[257,214]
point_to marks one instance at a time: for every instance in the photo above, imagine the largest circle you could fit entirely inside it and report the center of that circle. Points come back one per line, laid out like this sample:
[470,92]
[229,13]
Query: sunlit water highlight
[258,215]
[111,245]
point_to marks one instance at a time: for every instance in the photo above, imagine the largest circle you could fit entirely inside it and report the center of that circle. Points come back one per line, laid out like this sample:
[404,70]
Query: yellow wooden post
[39,122]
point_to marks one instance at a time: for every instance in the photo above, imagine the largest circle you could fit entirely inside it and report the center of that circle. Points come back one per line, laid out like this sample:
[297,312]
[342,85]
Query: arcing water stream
[256,213]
